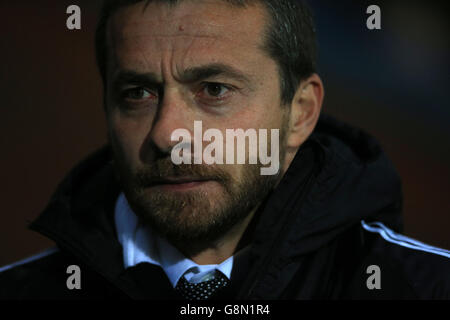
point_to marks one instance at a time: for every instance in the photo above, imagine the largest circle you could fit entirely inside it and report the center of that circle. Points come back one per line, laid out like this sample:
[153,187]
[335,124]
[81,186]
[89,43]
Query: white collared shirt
[140,244]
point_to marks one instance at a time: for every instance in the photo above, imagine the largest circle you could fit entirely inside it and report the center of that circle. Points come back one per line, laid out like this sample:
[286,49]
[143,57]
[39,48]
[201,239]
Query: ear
[304,112]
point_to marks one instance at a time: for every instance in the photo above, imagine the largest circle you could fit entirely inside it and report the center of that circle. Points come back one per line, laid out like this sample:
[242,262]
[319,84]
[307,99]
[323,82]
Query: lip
[174,184]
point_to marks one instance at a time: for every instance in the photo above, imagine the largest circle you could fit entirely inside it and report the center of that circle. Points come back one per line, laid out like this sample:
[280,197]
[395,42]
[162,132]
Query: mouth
[180,183]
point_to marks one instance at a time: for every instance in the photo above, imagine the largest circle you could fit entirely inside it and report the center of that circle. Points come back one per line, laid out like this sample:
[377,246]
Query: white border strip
[402,240]
[29,259]
[401,237]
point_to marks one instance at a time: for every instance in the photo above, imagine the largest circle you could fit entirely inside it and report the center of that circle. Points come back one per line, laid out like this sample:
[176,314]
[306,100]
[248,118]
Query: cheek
[126,139]
[258,116]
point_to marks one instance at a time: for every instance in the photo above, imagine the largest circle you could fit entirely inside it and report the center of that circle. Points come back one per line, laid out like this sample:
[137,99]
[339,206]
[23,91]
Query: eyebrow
[196,74]
[190,75]
[130,76]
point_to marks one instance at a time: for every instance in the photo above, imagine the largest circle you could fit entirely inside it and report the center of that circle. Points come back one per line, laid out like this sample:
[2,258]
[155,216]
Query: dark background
[391,82]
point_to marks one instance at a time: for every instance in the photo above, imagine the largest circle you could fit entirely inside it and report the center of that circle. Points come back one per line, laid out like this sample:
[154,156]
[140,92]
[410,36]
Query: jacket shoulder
[34,277]
[407,267]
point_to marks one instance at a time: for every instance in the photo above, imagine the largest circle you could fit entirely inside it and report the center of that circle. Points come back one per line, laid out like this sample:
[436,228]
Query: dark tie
[202,290]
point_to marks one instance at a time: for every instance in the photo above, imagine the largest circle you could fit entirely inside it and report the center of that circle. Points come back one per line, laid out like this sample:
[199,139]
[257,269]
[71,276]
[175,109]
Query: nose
[173,113]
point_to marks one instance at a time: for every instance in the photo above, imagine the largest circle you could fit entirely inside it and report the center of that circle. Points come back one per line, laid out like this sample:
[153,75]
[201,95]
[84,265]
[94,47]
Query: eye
[137,93]
[214,89]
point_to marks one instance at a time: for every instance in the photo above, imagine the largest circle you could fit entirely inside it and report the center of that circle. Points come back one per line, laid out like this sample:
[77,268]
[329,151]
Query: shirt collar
[140,244]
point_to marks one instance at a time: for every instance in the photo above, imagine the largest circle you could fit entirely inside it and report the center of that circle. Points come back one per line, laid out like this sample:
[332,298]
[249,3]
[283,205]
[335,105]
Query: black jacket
[336,212]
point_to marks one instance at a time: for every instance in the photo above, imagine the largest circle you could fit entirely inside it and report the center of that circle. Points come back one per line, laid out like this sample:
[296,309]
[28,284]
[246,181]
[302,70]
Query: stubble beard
[196,220]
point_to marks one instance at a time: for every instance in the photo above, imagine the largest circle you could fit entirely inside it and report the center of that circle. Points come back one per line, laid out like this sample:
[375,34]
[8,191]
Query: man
[134,223]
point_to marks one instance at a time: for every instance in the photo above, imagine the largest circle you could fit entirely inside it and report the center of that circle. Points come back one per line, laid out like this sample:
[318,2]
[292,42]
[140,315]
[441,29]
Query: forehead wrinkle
[137,37]
[184,61]
[129,24]
[171,17]
[140,32]
[143,29]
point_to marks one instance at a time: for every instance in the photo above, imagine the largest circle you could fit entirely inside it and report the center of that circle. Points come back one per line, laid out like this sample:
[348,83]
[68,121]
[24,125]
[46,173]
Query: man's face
[171,66]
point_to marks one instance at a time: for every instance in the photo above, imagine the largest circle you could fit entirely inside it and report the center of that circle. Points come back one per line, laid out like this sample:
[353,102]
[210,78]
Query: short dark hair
[290,38]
